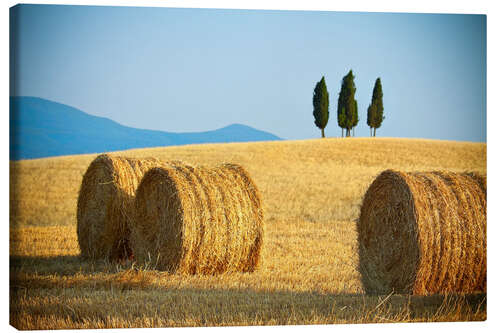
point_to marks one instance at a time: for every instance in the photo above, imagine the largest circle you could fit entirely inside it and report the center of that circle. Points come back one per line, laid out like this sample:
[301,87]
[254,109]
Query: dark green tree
[320,105]
[369,118]
[341,111]
[341,119]
[356,117]
[347,108]
[376,109]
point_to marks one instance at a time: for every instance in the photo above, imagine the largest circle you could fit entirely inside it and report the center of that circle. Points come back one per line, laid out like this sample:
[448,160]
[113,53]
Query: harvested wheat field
[423,233]
[311,193]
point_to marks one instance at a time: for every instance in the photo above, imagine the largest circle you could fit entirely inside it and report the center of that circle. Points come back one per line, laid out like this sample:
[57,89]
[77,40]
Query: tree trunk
[374,131]
[371,131]
[342,131]
[322,132]
[353,132]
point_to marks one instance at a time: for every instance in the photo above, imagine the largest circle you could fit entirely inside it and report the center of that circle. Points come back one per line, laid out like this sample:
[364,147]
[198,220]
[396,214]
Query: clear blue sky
[184,70]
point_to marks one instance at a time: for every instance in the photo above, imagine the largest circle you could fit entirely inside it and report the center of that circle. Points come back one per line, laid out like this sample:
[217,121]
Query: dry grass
[311,194]
[198,220]
[53,291]
[423,233]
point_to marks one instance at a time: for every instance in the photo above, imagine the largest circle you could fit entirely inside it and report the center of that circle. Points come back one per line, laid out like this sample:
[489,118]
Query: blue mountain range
[42,128]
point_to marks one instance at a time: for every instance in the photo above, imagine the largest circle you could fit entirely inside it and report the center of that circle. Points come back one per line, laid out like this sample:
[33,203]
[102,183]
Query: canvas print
[174,167]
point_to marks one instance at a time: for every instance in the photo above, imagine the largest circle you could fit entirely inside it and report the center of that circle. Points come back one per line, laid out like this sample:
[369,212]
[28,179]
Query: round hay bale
[423,233]
[198,220]
[105,203]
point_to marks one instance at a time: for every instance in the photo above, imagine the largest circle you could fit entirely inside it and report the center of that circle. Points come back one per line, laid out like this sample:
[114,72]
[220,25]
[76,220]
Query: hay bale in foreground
[105,204]
[198,220]
[423,233]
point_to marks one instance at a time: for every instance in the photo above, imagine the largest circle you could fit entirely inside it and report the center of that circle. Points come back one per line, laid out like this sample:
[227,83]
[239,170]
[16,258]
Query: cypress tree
[341,111]
[369,118]
[320,106]
[376,108]
[356,117]
[341,119]
[347,109]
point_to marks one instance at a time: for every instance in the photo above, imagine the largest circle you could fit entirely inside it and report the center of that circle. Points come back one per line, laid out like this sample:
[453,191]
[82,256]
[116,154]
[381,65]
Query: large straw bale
[423,233]
[105,204]
[198,220]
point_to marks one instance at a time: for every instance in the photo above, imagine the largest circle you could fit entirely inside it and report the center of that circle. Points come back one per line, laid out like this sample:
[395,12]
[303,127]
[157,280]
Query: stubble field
[311,193]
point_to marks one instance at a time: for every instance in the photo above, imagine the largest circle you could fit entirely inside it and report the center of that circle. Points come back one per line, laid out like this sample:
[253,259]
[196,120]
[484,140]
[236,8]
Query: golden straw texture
[105,204]
[423,233]
[198,220]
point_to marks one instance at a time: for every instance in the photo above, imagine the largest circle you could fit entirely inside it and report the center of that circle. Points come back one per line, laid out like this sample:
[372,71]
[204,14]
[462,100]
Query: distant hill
[42,128]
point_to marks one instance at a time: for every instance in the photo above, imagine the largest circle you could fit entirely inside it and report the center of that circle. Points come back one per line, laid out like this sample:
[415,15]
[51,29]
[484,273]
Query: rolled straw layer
[105,204]
[198,220]
[423,233]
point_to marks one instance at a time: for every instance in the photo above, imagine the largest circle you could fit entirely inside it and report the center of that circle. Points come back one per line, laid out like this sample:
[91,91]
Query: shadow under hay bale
[198,220]
[105,204]
[423,233]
